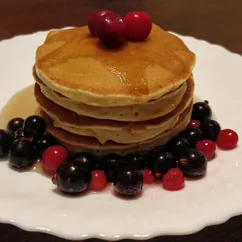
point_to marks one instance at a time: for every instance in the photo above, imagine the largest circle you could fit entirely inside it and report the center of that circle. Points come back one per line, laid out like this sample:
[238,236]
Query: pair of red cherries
[113,30]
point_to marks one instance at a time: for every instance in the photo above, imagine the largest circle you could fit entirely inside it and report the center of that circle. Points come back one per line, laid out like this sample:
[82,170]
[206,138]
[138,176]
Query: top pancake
[80,68]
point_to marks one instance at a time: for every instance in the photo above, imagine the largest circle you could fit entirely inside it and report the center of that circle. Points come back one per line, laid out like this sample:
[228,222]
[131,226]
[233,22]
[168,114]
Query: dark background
[217,21]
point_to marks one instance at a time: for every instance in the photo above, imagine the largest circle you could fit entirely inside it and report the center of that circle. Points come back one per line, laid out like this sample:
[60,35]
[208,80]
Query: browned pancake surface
[72,119]
[79,67]
[77,143]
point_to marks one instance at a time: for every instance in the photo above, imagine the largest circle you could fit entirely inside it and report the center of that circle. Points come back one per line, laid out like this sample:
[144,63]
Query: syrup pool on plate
[22,104]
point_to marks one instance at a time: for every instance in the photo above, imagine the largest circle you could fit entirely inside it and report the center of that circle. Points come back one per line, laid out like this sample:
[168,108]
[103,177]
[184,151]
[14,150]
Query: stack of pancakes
[123,100]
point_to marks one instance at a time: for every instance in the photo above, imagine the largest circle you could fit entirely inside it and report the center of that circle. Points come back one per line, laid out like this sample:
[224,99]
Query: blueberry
[193,136]
[19,133]
[201,111]
[210,129]
[178,146]
[110,164]
[136,161]
[34,126]
[71,178]
[15,124]
[45,142]
[86,161]
[6,141]
[22,153]
[162,163]
[194,164]
[129,182]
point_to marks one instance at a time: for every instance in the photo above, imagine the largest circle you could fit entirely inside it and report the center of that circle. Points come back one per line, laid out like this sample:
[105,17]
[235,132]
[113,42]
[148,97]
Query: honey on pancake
[135,73]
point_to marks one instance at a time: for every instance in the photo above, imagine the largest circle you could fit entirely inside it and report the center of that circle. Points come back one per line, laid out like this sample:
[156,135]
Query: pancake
[77,66]
[118,131]
[139,112]
[77,143]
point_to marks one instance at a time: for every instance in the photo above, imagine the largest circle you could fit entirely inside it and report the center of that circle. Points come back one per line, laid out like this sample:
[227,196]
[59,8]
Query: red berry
[227,139]
[99,180]
[138,25]
[194,124]
[207,147]
[94,19]
[173,180]
[53,157]
[111,30]
[148,176]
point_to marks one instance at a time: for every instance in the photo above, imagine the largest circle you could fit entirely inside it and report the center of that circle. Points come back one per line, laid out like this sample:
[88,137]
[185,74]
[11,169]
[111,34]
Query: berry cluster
[113,30]
[185,155]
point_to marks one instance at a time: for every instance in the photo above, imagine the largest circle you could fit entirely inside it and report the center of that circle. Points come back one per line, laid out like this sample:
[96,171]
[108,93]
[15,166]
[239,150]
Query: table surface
[216,21]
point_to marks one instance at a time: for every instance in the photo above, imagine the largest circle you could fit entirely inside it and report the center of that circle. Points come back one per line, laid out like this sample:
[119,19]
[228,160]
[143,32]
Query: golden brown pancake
[118,131]
[139,112]
[79,67]
[77,143]
[123,100]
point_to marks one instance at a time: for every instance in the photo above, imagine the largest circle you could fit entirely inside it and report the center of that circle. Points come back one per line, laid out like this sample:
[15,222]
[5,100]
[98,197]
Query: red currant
[148,176]
[227,139]
[99,180]
[194,124]
[53,157]
[138,25]
[94,19]
[207,147]
[111,30]
[173,180]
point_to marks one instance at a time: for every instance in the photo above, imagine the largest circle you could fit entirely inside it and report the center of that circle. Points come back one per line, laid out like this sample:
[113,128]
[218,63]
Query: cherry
[138,25]
[94,18]
[194,124]
[111,30]
[148,176]
[227,139]
[99,180]
[207,147]
[173,180]
[53,157]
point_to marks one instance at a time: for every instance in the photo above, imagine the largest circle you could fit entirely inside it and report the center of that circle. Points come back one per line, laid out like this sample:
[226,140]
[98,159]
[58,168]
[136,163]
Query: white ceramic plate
[28,199]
